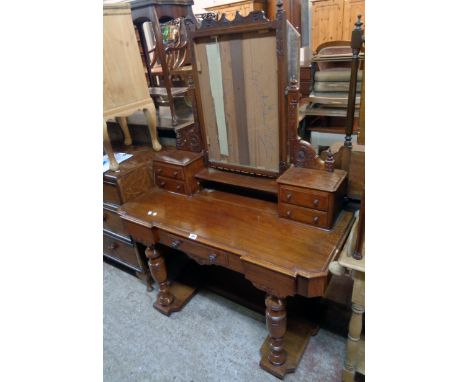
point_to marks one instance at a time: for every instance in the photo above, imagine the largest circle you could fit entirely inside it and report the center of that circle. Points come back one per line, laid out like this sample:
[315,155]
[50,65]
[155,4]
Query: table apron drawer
[171,185]
[168,171]
[113,223]
[304,215]
[201,253]
[305,198]
[122,252]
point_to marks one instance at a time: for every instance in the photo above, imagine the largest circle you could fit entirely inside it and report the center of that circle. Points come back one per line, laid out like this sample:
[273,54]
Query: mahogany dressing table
[247,112]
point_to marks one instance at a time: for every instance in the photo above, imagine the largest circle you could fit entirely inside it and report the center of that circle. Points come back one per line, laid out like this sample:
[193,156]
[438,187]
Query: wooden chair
[168,62]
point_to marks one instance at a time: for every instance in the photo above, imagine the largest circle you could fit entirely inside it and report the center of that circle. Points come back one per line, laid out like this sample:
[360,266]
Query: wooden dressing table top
[243,226]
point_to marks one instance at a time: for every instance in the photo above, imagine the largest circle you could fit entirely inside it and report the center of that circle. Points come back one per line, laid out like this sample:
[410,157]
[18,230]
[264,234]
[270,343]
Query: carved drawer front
[168,171]
[202,254]
[171,184]
[121,251]
[111,194]
[305,215]
[305,198]
[113,223]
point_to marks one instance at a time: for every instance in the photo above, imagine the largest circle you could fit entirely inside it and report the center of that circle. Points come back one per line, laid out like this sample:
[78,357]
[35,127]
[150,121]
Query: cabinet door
[351,8]
[327,16]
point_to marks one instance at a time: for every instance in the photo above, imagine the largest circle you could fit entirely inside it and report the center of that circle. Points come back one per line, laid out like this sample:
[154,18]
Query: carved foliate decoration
[188,138]
[209,19]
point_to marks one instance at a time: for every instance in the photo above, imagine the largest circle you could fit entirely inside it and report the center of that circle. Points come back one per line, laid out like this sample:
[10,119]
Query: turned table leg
[113,165]
[158,270]
[276,324]
[354,335]
[150,113]
[122,121]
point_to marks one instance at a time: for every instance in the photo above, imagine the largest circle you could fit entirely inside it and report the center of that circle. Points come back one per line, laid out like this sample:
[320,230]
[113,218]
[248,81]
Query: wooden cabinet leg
[354,335]
[113,165]
[276,324]
[150,113]
[122,121]
[158,270]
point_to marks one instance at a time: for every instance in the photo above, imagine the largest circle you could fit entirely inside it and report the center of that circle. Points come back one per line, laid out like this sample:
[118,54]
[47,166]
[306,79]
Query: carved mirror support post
[158,270]
[276,324]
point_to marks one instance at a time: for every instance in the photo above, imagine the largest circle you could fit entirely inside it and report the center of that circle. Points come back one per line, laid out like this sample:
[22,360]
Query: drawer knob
[316,202]
[178,187]
[212,258]
[174,174]
[288,214]
[176,243]
[113,246]
[162,183]
[288,196]
[159,170]
[316,219]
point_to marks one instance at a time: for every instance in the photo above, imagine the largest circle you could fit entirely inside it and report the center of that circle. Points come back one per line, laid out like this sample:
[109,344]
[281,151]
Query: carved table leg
[276,324]
[157,267]
[354,336]
[150,113]
[171,298]
[122,121]
[113,165]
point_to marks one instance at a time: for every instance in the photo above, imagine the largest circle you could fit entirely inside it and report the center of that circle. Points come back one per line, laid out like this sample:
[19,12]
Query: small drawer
[112,222]
[304,215]
[200,253]
[111,194]
[303,197]
[171,185]
[168,171]
[121,252]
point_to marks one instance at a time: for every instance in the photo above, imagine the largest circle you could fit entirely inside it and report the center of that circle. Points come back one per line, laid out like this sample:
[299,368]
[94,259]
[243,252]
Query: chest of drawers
[174,170]
[311,196]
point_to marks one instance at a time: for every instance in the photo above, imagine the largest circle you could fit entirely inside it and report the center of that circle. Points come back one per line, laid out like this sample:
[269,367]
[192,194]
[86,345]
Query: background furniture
[248,129]
[333,20]
[244,7]
[125,89]
[133,179]
[153,13]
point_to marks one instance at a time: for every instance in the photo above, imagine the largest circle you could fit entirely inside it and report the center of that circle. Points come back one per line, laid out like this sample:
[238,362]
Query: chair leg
[122,121]
[113,165]
[150,113]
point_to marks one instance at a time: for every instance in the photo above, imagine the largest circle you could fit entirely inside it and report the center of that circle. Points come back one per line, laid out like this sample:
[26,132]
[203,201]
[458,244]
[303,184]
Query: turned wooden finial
[279,8]
[358,22]
[293,84]
[330,161]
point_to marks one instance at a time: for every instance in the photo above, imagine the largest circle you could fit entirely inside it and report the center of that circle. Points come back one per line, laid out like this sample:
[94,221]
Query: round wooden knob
[159,170]
[288,196]
[174,174]
[212,258]
[316,219]
[178,187]
[162,183]
[316,202]
[113,246]
[288,214]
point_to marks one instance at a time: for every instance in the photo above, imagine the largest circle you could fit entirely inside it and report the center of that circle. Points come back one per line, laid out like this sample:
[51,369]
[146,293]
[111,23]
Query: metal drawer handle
[212,258]
[176,243]
[316,219]
[316,202]
[113,246]
[288,196]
